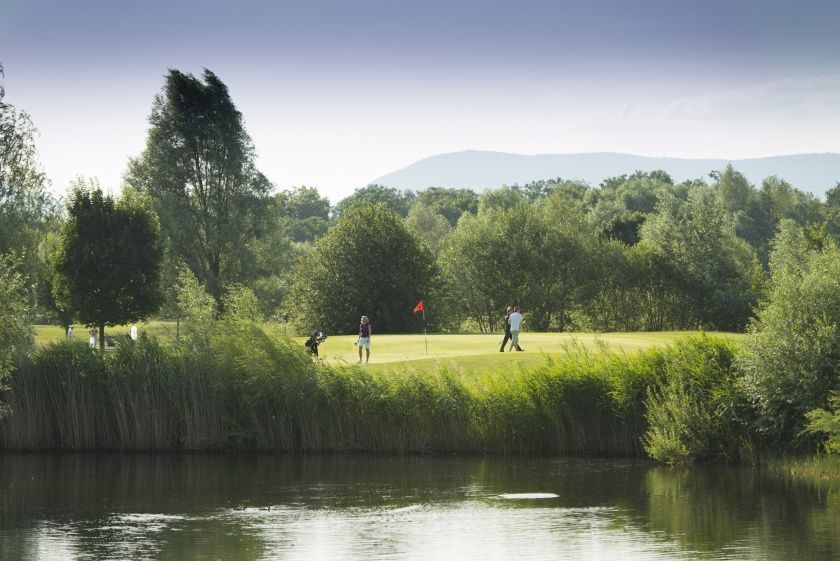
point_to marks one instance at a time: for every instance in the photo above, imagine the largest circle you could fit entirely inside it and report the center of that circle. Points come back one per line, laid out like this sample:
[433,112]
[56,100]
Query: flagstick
[424,331]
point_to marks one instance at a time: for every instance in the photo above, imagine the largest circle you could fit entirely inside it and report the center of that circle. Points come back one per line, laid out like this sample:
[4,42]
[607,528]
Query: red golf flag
[419,307]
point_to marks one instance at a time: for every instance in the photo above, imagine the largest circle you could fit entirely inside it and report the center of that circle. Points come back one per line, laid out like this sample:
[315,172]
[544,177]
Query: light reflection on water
[361,507]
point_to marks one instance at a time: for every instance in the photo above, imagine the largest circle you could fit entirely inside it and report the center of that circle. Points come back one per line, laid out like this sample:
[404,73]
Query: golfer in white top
[515,320]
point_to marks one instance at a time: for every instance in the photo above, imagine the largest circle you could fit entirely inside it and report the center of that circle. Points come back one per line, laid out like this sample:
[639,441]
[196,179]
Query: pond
[251,507]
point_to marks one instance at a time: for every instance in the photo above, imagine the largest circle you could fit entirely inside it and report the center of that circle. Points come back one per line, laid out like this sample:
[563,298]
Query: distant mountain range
[480,170]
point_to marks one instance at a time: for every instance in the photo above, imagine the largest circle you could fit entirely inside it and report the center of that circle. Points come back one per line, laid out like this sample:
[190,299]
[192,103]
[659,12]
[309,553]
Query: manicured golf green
[481,351]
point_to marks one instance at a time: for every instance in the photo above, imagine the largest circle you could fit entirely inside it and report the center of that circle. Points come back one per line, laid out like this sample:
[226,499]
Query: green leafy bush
[16,334]
[789,363]
[368,263]
[691,412]
[823,422]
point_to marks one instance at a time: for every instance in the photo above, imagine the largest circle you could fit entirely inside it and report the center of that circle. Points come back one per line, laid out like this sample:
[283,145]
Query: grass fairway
[164,330]
[474,353]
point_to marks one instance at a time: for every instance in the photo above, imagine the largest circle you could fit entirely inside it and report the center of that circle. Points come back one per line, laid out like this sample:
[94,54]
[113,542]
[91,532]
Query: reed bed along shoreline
[256,390]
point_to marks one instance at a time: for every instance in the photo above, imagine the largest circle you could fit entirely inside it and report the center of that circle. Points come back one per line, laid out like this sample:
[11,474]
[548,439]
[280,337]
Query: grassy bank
[248,388]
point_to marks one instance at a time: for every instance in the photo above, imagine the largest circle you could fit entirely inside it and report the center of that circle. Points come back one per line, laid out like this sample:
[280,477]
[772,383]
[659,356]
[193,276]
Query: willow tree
[535,255]
[25,204]
[198,167]
[16,333]
[701,272]
[22,181]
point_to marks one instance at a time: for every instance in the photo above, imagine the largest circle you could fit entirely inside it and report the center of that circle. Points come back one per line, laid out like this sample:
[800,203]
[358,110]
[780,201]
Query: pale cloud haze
[335,94]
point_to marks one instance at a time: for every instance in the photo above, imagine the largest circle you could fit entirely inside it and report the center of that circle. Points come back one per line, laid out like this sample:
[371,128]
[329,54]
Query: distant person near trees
[94,333]
[133,332]
[364,338]
[70,334]
[507,329]
[515,320]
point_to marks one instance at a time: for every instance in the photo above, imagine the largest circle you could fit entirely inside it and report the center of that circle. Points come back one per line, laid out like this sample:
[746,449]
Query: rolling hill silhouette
[480,170]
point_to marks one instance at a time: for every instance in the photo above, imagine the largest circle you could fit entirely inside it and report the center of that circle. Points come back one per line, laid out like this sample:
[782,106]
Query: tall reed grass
[693,413]
[253,390]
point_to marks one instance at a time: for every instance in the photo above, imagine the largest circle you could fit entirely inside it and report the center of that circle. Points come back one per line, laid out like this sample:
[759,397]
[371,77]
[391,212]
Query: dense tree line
[638,252]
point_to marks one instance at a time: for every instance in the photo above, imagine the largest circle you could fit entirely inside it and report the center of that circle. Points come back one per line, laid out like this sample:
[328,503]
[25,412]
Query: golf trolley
[314,340]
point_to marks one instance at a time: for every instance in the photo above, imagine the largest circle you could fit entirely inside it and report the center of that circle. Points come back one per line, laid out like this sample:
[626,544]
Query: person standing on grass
[507,329]
[70,334]
[133,332]
[94,333]
[515,320]
[364,338]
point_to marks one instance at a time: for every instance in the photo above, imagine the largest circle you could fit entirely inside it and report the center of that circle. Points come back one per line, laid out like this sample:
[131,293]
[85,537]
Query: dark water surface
[364,507]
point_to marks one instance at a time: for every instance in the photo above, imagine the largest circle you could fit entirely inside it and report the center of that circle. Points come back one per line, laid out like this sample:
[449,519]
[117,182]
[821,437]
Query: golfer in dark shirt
[507,329]
[364,338]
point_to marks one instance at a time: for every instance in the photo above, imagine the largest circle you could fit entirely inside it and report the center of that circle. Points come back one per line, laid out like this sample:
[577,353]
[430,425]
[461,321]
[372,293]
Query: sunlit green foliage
[691,411]
[532,255]
[394,199]
[428,225]
[367,264]
[16,333]
[823,422]
[196,309]
[449,203]
[303,211]
[240,303]
[29,215]
[621,198]
[501,199]
[22,181]
[712,274]
[789,363]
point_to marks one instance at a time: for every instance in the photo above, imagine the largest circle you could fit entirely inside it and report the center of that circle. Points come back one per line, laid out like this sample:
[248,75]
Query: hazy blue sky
[335,94]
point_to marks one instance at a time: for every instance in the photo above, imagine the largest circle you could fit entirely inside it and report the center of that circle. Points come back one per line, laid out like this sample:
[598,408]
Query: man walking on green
[507,329]
[515,320]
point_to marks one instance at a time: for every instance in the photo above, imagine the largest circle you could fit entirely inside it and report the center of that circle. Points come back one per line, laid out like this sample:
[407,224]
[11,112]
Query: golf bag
[314,340]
